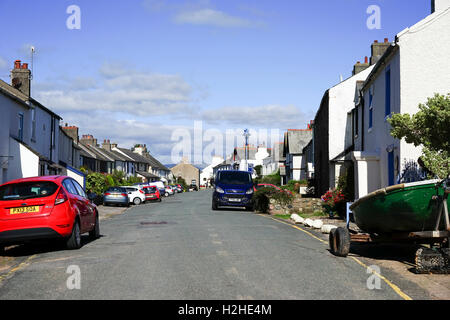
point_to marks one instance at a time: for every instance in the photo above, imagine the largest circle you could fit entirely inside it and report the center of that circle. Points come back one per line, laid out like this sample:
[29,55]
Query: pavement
[180,249]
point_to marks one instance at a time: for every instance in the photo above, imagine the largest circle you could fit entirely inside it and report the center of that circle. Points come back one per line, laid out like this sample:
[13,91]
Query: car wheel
[214,205]
[160,200]
[137,201]
[166,194]
[95,233]
[74,241]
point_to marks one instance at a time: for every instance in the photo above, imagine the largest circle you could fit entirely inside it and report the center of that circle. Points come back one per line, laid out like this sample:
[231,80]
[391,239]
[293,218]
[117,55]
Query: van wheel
[74,241]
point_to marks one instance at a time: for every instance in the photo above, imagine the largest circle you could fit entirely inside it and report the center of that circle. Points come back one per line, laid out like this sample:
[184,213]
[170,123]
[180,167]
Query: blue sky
[139,69]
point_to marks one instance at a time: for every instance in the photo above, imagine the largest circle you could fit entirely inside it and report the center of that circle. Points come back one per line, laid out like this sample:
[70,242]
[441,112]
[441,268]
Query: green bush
[262,199]
[271,179]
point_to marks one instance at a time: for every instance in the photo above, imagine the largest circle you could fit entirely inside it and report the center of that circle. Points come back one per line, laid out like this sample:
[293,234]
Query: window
[33,124]
[388,92]
[20,131]
[68,185]
[355,123]
[79,189]
[370,107]
[27,190]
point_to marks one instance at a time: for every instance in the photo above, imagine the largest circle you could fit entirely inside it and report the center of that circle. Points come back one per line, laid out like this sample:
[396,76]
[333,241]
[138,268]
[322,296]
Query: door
[391,177]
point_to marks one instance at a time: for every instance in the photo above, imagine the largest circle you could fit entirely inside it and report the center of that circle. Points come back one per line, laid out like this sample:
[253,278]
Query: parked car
[233,188]
[161,187]
[169,191]
[116,196]
[180,188]
[193,187]
[135,195]
[268,185]
[51,207]
[152,194]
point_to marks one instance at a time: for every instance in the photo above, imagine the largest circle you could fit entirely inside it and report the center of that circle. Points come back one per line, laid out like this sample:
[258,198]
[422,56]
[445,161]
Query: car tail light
[61,197]
[124,194]
[141,191]
[107,194]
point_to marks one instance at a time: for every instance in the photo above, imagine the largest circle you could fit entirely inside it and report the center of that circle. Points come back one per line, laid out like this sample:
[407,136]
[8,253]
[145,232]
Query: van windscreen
[234,177]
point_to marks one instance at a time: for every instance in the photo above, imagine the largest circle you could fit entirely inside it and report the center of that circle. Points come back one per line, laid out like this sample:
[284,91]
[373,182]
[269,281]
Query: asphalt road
[181,249]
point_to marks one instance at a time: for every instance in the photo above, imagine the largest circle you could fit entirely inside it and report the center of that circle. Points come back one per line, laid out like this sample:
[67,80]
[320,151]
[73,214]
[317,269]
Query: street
[181,249]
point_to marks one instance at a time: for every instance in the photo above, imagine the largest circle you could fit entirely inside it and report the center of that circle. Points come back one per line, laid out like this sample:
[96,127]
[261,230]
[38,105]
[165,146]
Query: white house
[29,134]
[330,128]
[415,67]
[208,172]
[295,140]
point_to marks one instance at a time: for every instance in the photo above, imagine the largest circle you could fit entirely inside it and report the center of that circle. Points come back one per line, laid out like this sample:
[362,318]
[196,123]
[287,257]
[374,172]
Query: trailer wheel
[341,242]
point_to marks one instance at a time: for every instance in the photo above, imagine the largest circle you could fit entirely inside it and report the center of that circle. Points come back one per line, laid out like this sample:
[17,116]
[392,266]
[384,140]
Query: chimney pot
[17,64]
[386,40]
[366,60]
[376,41]
[25,66]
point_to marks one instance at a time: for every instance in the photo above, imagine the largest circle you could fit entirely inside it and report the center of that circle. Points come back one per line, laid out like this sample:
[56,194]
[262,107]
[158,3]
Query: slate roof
[295,140]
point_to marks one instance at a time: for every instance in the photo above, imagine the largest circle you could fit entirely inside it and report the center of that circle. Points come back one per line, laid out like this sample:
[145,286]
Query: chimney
[21,77]
[439,5]
[358,67]
[106,145]
[89,140]
[113,145]
[72,132]
[378,49]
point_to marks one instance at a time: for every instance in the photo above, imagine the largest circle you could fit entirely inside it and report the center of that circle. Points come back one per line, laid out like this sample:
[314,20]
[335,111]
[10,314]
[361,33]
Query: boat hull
[402,208]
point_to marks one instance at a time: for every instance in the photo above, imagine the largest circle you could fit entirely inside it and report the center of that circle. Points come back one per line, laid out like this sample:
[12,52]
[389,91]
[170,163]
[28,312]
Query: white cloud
[211,17]
[121,90]
[269,116]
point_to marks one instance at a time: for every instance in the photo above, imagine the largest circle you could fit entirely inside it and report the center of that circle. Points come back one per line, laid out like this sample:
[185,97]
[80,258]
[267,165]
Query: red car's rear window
[150,190]
[27,190]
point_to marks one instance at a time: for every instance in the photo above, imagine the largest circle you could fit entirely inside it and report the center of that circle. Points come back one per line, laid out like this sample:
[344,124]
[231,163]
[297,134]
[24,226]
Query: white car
[135,194]
[170,191]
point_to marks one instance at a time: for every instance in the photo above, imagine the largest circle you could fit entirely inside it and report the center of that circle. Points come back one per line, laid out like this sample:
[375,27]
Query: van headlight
[250,191]
[219,190]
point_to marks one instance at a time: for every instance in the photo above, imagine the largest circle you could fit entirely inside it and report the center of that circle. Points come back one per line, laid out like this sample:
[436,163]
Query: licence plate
[234,200]
[23,210]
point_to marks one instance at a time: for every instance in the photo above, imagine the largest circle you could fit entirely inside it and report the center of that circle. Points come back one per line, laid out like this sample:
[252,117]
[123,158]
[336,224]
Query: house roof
[134,156]
[17,94]
[296,140]
[251,153]
[147,175]
[98,154]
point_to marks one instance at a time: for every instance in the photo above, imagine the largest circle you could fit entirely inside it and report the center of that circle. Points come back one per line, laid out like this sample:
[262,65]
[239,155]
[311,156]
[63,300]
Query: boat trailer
[435,259]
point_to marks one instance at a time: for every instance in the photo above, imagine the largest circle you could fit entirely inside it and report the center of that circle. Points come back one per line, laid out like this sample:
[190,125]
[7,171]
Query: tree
[429,128]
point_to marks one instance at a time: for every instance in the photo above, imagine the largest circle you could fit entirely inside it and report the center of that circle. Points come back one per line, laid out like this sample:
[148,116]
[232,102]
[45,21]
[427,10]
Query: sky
[151,71]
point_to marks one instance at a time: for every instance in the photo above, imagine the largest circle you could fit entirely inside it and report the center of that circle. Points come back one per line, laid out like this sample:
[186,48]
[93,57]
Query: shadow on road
[39,247]
[404,253]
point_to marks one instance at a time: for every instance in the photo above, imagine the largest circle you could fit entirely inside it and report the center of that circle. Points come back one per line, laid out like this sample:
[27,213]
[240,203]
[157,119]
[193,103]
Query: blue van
[234,189]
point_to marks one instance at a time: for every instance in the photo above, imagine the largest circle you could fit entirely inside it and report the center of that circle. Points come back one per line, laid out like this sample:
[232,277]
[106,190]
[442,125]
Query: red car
[268,185]
[52,207]
[152,193]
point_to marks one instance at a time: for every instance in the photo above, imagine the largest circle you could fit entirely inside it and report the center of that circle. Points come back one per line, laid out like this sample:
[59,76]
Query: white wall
[341,101]
[419,69]
[25,164]
[424,65]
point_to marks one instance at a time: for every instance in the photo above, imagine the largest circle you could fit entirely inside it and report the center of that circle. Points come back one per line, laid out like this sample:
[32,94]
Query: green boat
[409,207]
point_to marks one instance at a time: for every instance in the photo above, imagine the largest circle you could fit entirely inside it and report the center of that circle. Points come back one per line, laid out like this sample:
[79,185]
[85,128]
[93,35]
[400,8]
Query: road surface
[181,249]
